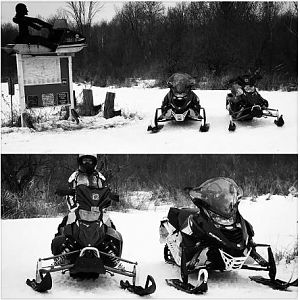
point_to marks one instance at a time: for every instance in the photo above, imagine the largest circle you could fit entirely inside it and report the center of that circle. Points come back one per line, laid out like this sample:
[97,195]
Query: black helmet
[87,162]
[21,9]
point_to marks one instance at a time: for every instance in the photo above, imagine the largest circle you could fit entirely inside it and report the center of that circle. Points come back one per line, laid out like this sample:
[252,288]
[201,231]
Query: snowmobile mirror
[169,84]
[64,192]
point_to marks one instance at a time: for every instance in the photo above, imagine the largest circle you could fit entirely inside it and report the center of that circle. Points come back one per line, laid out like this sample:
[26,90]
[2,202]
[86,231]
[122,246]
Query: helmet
[87,162]
[21,9]
[219,195]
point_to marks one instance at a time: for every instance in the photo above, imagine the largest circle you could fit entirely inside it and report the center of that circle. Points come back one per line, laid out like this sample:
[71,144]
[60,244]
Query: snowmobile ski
[275,284]
[155,129]
[187,287]
[184,286]
[43,286]
[149,288]
[205,127]
[279,122]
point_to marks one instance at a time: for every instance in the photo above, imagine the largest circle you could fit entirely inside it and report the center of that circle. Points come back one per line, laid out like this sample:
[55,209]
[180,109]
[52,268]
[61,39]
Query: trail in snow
[23,241]
[129,134]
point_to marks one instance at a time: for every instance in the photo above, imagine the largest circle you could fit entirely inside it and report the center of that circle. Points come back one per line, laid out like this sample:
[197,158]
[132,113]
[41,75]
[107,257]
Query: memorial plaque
[48,99]
[41,70]
[62,98]
[32,101]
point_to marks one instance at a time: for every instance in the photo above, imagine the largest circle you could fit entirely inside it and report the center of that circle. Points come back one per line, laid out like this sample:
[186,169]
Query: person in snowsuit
[245,82]
[25,22]
[86,174]
[180,85]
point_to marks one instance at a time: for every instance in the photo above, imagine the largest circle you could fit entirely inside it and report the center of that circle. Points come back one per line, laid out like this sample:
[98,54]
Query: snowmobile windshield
[218,195]
[180,84]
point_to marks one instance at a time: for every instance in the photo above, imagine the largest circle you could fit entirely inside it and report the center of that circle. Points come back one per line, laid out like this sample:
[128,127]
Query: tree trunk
[109,111]
[88,103]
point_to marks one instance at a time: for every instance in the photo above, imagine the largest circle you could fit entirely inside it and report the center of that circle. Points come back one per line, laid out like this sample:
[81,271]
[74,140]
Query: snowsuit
[97,180]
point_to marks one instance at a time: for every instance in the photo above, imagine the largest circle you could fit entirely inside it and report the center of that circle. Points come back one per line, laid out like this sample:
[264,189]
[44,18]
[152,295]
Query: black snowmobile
[180,104]
[91,246]
[213,236]
[245,103]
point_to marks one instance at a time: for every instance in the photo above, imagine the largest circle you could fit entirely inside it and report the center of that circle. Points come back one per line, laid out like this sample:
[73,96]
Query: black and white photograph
[153,77]
[149,149]
[169,226]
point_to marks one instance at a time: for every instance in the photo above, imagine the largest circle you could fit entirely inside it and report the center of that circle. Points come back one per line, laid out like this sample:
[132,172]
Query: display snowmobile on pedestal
[60,40]
[245,103]
[89,246]
[213,236]
[180,104]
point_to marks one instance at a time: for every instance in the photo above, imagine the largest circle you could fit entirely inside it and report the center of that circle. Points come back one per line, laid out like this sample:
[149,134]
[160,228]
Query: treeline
[209,40]
[29,181]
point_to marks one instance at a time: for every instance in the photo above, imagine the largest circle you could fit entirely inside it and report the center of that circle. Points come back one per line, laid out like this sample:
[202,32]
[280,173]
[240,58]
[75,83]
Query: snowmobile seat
[177,216]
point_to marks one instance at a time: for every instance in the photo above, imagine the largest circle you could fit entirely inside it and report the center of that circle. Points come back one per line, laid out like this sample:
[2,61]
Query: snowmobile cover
[219,195]
[181,82]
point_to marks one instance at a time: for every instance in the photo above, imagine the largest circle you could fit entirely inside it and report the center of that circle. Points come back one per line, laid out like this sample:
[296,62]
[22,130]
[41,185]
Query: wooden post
[88,103]
[19,59]
[71,81]
[109,105]
[11,92]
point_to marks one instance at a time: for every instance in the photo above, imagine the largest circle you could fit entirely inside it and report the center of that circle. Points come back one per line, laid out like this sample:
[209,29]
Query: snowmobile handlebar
[65,192]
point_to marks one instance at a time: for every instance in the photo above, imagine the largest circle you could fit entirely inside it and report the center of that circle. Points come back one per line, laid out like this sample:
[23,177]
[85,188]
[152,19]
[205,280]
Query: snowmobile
[61,39]
[213,236]
[179,106]
[245,103]
[89,247]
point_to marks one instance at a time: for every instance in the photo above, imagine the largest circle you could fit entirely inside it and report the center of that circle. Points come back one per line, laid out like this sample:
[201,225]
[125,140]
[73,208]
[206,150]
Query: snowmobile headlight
[180,95]
[221,220]
[249,89]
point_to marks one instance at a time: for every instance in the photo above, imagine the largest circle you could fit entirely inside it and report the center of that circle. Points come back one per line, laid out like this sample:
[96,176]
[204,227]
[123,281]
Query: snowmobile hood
[220,195]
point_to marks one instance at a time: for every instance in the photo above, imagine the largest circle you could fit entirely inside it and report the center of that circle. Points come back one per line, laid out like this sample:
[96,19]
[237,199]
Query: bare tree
[83,13]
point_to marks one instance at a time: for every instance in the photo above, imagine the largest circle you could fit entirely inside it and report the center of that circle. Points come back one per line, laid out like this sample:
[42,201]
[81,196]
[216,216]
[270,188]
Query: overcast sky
[47,9]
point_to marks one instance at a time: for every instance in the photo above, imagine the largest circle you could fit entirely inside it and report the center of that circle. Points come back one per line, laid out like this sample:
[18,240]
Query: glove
[114,197]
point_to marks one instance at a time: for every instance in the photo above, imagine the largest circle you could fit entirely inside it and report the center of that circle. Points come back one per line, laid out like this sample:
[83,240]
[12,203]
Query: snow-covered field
[23,241]
[128,134]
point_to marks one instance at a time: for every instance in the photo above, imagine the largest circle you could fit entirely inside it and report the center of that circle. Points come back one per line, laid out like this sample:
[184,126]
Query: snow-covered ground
[23,241]
[128,134]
